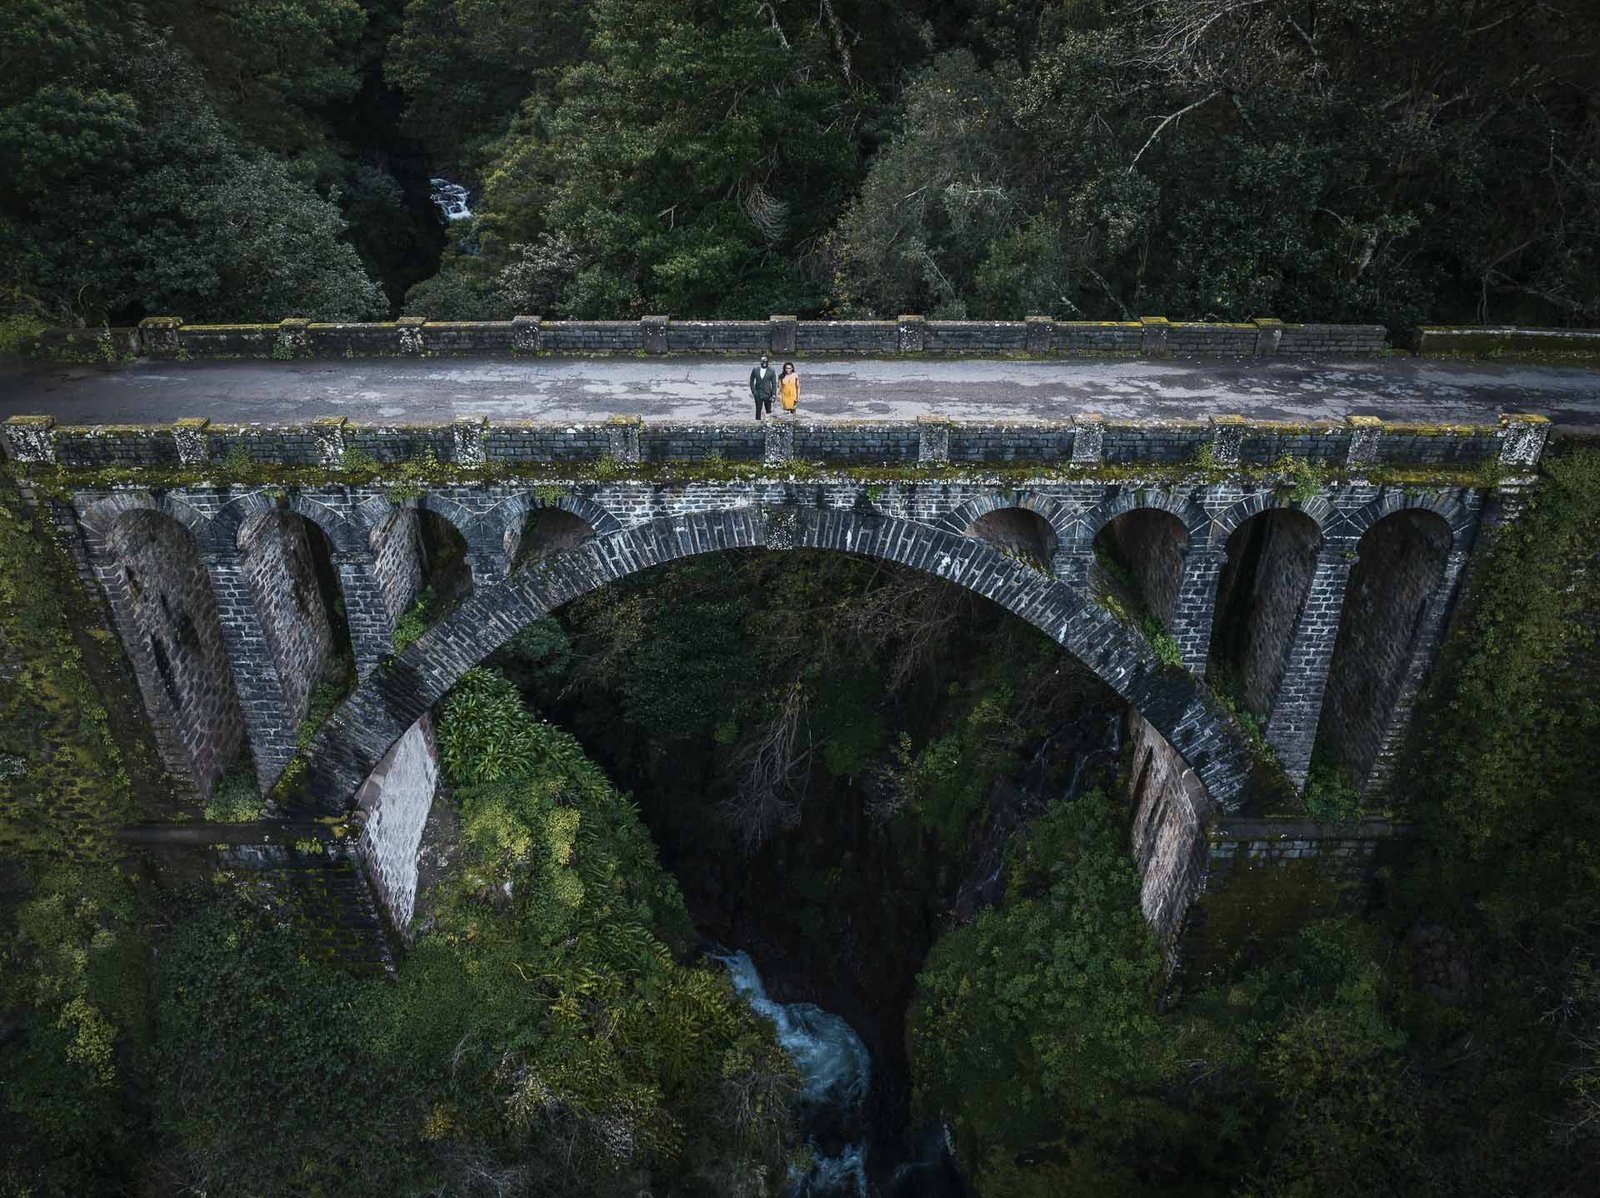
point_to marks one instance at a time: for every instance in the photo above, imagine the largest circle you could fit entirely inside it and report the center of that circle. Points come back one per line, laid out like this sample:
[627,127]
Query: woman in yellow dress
[789,388]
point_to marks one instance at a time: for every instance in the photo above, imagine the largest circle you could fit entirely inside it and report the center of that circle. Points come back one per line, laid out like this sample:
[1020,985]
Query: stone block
[1226,439]
[653,331]
[409,331]
[779,447]
[622,438]
[328,432]
[933,439]
[158,335]
[466,441]
[525,334]
[1040,333]
[911,334]
[1269,335]
[189,435]
[1088,439]
[293,339]
[1364,434]
[784,333]
[1522,439]
[30,438]
[1156,341]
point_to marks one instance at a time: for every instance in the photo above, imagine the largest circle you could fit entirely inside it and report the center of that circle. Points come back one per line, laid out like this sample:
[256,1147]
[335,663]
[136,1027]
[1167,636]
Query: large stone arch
[389,701]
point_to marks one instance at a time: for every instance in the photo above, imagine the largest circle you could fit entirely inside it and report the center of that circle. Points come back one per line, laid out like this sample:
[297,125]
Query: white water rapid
[451,198]
[835,1072]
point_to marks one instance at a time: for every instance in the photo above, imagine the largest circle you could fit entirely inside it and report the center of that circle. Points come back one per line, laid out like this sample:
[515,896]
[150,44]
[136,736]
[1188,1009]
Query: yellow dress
[789,391]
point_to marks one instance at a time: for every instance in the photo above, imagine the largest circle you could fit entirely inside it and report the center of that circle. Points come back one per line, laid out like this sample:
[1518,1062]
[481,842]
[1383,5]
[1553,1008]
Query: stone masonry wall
[1167,835]
[1515,441]
[161,597]
[275,557]
[394,803]
[1212,880]
[487,512]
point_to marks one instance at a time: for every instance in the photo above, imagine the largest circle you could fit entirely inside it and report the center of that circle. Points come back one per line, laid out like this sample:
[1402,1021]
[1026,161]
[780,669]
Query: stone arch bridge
[1216,574]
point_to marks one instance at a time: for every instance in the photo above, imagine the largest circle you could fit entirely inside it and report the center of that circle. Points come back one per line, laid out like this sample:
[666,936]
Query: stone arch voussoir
[507,516]
[1455,517]
[1134,499]
[1051,511]
[393,697]
[100,518]
[1321,512]
[342,534]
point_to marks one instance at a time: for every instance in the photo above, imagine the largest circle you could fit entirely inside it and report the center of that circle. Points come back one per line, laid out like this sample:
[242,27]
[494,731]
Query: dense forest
[1097,159]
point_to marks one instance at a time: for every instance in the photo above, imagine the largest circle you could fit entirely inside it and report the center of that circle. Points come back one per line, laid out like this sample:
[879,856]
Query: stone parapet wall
[416,336]
[1493,341]
[1155,337]
[1516,443]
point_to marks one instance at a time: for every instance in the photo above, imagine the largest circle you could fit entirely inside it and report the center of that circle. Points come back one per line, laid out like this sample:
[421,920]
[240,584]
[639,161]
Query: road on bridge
[707,389]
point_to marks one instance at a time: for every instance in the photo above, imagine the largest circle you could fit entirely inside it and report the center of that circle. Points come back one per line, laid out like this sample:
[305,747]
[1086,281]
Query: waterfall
[451,198]
[835,1072]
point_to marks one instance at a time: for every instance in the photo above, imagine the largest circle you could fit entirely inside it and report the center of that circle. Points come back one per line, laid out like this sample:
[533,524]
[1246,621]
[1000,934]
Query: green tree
[686,160]
[466,65]
[1034,1026]
[124,192]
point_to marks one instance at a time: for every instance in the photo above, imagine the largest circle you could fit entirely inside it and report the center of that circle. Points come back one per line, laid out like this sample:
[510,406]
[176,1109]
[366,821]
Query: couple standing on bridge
[764,384]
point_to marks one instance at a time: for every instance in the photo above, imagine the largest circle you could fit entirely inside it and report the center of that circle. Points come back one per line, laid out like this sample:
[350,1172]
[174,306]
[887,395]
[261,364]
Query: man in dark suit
[763,386]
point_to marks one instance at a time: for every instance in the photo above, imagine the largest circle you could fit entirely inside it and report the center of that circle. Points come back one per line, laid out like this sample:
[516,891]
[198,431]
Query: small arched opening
[174,640]
[446,572]
[1400,565]
[1018,533]
[1271,558]
[287,561]
[547,530]
[1139,558]
[397,559]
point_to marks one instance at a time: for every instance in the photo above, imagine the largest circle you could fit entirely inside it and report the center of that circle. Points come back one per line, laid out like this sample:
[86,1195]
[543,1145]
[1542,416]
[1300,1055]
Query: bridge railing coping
[1516,442]
[659,335]
[663,335]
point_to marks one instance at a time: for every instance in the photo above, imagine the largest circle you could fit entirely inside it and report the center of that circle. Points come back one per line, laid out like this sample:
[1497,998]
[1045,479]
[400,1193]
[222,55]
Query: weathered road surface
[376,390]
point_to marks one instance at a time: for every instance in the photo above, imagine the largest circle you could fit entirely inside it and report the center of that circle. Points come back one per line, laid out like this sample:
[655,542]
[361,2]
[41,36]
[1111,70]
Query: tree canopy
[1083,158]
